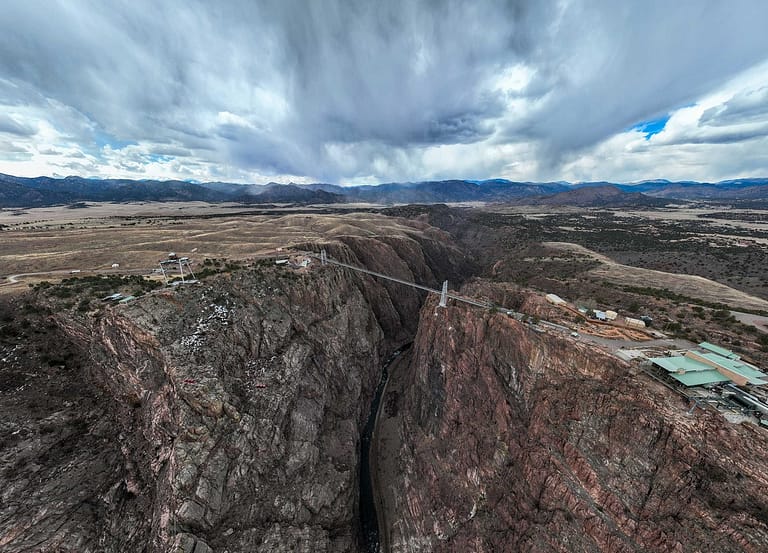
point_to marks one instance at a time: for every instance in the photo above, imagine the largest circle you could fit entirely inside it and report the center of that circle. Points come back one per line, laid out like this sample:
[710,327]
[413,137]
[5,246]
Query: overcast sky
[373,91]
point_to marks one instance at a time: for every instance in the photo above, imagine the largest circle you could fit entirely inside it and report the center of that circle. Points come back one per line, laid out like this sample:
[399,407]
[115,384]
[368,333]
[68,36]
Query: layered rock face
[221,417]
[61,466]
[505,439]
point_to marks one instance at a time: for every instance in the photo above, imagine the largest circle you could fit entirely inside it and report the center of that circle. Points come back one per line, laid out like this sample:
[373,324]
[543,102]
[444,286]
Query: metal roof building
[710,365]
[554,299]
[688,371]
[739,368]
[718,350]
[600,315]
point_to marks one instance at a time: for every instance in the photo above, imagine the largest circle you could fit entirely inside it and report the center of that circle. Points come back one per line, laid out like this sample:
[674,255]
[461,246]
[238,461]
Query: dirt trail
[687,285]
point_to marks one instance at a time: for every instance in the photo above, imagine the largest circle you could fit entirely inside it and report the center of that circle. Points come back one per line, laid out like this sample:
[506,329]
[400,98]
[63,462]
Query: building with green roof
[689,372]
[728,354]
[711,364]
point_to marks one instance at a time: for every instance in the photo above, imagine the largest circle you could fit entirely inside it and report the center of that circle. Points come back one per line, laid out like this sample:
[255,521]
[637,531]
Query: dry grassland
[687,285]
[55,240]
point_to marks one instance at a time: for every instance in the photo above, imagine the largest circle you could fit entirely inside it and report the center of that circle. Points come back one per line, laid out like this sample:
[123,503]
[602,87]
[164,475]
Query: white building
[554,299]
[636,323]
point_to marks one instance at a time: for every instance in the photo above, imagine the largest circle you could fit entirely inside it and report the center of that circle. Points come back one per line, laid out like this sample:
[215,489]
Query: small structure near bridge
[169,266]
[600,315]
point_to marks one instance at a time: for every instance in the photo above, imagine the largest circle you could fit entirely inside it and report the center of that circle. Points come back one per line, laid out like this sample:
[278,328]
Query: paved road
[13,279]
[669,343]
[759,321]
[17,278]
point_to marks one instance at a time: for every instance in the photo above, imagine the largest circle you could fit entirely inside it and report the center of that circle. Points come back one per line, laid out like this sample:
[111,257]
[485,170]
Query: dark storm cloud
[385,76]
[400,73]
[132,69]
[334,89]
[248,147]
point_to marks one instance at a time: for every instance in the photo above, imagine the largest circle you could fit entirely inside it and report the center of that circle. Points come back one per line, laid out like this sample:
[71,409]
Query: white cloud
[727,143]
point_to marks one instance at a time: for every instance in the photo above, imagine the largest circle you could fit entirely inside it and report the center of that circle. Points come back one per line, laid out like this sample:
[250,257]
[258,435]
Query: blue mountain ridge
[38,191]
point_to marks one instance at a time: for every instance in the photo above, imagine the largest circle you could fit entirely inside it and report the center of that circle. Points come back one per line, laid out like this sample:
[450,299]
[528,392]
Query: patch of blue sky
[158,158]
[652,126]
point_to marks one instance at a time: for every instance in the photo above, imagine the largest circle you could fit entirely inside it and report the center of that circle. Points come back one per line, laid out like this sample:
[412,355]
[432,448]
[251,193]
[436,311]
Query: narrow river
[369,521]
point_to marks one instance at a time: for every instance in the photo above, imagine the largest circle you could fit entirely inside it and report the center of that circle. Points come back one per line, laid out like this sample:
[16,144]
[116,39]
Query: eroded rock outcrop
[505,439]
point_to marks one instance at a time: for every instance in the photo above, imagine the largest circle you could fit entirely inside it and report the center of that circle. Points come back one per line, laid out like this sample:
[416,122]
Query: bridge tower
[444,295]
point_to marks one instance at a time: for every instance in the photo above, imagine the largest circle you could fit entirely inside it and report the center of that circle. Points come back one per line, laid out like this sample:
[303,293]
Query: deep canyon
[228,416]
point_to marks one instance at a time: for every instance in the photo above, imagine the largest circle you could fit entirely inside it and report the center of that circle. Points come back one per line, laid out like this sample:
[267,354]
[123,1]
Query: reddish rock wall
[511,440]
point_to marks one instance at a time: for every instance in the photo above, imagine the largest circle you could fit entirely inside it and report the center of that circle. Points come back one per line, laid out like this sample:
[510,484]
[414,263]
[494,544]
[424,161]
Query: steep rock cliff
[504,439]
[60,461]
[223,416]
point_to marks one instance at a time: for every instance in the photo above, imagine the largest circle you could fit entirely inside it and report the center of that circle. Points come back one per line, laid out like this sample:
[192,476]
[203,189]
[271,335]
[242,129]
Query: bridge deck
[476,303]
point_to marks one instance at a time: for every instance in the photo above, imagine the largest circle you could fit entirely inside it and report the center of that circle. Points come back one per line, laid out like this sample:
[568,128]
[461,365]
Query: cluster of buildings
[295,261]
[175,264]
[710,374]
[599,315]
[705,373]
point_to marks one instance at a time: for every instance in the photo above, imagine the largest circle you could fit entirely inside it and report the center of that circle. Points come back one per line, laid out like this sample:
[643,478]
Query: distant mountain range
[44,191]
[608,195]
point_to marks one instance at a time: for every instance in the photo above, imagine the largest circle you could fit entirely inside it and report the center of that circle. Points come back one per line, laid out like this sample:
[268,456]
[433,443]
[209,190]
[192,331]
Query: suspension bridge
[444,293]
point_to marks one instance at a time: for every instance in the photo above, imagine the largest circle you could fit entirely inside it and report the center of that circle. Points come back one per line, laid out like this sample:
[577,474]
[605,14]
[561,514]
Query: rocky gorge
[227,417]
[224,416]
